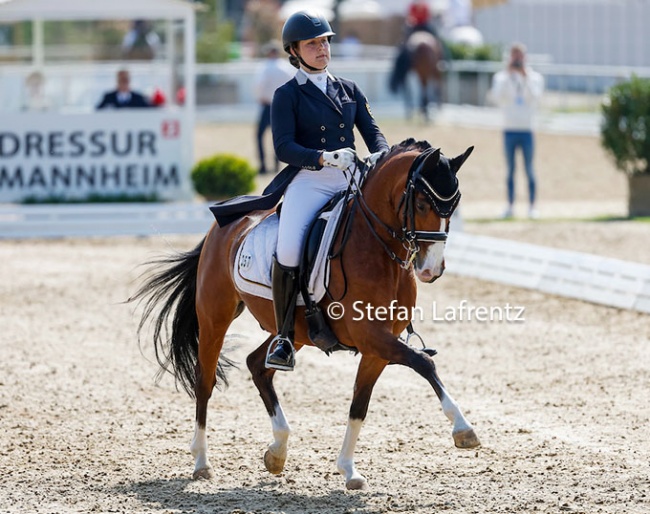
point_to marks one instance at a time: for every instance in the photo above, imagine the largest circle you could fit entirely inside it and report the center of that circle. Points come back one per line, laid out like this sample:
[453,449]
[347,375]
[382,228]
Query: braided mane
[407,145]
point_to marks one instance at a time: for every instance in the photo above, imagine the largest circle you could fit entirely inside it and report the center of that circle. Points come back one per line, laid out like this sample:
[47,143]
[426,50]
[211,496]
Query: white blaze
[433,259]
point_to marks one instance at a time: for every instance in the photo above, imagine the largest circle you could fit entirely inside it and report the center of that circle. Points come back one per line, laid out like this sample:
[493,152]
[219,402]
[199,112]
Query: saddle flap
[252,267]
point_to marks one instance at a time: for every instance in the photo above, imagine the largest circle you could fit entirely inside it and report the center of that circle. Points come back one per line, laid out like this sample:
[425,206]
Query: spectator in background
[35,98]
[140,43]
[272,75]
[517,89]
[123,97]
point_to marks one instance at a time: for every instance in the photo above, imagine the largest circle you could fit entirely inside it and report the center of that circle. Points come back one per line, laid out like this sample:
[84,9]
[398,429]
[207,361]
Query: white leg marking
[281,431]
[453,413]
[199,449]
[345,462]
[276,454]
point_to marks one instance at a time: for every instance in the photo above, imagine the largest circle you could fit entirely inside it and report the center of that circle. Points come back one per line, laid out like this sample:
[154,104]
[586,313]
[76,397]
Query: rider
[418,17]
[312,120]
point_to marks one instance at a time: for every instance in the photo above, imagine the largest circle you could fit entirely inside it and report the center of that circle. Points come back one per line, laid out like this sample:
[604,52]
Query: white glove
[374,157]
[341,159]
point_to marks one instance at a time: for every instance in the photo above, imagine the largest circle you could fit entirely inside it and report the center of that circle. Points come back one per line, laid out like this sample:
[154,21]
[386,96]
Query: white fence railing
[584,276]
[77,88]
[565,273]
[466,81]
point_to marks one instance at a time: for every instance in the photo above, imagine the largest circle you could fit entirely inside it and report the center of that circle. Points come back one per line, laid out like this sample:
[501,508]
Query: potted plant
[223,176]
[625,134]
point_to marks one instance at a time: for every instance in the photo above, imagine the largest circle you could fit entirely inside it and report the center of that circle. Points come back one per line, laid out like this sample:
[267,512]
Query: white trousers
[307,193]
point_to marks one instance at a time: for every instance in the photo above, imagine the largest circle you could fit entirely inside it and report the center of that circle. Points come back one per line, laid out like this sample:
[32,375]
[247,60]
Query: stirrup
[413,334]
[429,351]
[280,365]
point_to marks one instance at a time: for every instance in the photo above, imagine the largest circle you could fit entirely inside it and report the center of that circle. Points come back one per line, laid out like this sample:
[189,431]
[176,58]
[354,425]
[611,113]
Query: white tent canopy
[172,129]
[39,11]
[17,10]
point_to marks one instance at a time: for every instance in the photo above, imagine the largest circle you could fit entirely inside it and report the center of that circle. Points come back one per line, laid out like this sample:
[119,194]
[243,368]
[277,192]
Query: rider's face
[315,52]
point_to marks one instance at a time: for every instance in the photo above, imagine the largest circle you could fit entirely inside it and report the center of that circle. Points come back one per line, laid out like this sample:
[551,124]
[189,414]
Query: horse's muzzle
[431,265]
[427,277]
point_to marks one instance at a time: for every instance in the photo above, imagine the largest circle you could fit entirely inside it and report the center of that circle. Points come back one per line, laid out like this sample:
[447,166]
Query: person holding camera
[517,89]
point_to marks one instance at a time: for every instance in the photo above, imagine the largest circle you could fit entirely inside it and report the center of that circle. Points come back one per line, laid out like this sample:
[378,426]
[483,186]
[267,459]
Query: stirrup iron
[275,343]
[411,333]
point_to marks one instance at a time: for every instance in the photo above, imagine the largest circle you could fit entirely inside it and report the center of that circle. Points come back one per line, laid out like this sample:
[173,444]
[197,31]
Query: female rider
[312,120]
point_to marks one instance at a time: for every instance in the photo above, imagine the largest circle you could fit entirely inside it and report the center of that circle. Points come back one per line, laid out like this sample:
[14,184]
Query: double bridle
[407,235]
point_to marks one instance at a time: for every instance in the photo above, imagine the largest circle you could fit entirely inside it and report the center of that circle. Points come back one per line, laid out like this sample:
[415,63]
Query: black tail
[174,287]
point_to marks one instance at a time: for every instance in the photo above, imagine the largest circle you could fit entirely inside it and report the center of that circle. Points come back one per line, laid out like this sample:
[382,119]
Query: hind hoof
[203,474]
[466,439]
[273,464]
[357,484]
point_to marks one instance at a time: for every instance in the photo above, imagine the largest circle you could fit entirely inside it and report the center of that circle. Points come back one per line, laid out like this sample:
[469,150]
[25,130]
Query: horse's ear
[432,159]
[458,161]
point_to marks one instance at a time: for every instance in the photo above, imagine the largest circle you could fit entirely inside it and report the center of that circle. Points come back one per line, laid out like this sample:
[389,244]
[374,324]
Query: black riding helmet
[304,25]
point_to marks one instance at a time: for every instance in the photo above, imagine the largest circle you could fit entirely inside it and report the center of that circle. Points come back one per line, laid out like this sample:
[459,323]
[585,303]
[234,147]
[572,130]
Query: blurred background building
[599,32]
[581,46]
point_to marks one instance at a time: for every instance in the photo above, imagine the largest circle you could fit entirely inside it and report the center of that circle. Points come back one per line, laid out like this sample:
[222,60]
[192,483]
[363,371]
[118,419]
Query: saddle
[252,268]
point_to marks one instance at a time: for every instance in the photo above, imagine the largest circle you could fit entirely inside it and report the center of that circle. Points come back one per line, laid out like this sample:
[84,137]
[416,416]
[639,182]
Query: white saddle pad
[255,257]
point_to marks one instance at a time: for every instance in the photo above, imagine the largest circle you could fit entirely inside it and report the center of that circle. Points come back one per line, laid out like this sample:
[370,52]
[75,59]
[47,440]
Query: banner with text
[75,156]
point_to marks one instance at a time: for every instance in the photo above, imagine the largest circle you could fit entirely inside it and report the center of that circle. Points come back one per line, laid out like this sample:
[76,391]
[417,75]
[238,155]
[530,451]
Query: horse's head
[425,204]
[430,198]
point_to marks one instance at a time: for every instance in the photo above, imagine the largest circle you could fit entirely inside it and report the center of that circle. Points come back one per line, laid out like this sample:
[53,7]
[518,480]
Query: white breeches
[307,193]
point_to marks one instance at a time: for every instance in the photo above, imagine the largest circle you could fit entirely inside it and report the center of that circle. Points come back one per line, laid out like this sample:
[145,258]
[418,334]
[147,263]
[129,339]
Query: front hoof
[203,474]
[357,484]
[466,439]
[273,464]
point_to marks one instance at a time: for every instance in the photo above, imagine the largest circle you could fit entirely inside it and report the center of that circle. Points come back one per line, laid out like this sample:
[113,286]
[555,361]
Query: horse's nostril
[426,274]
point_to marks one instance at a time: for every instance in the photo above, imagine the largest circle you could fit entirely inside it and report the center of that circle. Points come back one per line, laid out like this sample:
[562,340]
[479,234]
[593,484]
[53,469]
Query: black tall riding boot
[284,282]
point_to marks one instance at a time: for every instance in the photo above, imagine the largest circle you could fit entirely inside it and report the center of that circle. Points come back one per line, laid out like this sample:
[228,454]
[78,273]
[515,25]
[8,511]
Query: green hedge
[464,52]
[625,130]
[223,176]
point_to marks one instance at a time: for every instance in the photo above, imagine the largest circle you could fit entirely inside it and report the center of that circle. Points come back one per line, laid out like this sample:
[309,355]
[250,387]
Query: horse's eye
[421,206]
